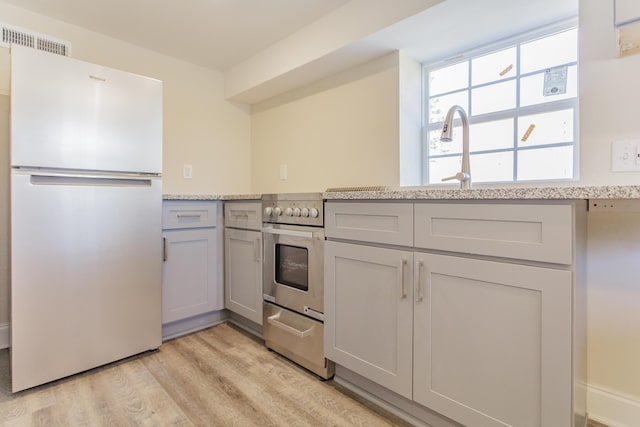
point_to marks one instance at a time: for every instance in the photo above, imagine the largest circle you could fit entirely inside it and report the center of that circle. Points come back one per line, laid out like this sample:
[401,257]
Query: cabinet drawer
[188,214]
[533,232]
[243,215]
[390,223]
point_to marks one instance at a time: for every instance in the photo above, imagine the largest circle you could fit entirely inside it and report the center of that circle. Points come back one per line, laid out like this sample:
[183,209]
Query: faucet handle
[460,176]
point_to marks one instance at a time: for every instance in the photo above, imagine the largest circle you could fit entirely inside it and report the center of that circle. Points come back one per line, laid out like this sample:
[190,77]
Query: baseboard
[612,409]
[193,324]
[4,335]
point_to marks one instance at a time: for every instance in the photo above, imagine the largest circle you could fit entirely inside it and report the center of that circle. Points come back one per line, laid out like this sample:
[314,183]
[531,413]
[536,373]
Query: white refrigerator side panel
[72,114]
[86,275]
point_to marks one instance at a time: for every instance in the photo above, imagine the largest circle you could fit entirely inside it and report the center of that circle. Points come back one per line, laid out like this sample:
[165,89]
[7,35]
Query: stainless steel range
[293,281]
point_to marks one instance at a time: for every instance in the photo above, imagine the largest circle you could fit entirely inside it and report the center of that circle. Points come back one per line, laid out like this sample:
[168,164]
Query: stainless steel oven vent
[14,35]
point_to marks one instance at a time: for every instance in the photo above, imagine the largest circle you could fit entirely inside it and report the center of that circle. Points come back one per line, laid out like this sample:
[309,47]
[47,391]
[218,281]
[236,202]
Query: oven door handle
[275,321]
[293,233]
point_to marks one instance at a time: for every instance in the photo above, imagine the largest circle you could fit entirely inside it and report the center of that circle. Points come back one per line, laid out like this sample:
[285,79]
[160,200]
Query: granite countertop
[507,193]
[426,193]
[226,197]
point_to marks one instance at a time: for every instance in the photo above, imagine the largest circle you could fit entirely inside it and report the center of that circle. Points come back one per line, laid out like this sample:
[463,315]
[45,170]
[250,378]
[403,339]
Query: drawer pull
[189,215]
[275,321]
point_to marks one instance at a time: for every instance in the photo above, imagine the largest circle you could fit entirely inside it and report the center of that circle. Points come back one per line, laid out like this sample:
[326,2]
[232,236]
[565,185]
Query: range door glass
[292,266]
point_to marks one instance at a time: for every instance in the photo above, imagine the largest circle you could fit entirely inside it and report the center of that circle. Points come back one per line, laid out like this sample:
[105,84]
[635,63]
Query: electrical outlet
[187,171]
[614,205]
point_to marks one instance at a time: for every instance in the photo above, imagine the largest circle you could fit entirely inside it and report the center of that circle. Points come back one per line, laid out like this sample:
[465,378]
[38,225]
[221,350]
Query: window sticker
[555,81]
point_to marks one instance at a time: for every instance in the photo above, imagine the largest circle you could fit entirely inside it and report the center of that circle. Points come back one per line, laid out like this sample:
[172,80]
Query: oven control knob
[314,213]
[296,212]
[268,211]
[305,212]
[277,211]
[288,212]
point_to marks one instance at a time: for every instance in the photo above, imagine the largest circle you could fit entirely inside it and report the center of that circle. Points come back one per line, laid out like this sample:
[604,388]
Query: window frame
[514,113]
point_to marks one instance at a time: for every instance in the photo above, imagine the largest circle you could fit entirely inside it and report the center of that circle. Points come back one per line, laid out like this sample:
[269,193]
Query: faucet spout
[464,176]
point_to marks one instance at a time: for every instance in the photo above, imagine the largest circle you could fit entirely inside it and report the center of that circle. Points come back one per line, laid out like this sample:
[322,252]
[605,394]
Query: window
[522,104]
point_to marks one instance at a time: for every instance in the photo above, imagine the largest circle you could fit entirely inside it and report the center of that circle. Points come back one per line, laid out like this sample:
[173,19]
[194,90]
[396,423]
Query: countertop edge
[212,197]
[523,193]
[611,192]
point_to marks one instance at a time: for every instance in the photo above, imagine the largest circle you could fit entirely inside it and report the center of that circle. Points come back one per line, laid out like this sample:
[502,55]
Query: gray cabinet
[191,267]
[369,312]
[243,259]
[492,341]
[476,332]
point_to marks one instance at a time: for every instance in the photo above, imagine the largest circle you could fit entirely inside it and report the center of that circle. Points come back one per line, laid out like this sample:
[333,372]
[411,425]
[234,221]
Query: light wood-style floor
[217,377]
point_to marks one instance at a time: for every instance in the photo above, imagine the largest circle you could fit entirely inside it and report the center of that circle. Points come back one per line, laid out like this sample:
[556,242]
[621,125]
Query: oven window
[292,266]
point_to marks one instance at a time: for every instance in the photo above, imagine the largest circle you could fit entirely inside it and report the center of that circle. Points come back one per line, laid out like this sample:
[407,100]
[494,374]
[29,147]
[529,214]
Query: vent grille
[18,37]
[13,35]
[53,47]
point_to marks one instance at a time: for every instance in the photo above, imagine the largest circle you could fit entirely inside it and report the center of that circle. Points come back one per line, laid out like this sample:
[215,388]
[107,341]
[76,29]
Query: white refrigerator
[86,203]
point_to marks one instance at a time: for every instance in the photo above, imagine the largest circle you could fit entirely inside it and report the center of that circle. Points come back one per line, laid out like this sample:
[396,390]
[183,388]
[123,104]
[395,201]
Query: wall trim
[611,408]
[4,335]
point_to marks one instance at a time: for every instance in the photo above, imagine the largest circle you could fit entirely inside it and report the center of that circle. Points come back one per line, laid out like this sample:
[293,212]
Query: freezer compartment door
[72,114]
[86,273]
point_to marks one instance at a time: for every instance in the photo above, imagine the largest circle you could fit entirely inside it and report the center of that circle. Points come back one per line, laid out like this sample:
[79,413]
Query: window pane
[496,66]
[443,167]
[491,135]
[496,97]
[437,147]
[448,79]
[439,105]
[492,167]
[545,128]
[550,51]
[545,163]
[532,88]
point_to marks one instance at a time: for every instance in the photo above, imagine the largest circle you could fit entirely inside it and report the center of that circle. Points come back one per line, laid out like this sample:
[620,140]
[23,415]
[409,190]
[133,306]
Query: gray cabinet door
[189,274]
[369,312]
[243,273]
[492,341]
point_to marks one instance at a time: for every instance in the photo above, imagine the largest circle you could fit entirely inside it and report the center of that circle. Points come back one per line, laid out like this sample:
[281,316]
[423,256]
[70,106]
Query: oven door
[293,267]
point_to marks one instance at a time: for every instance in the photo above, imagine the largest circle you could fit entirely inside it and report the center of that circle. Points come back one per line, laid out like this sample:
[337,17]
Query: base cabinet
[243,273]
[492,341]
[369,312]
[243,259]
[191,271]
[484,340]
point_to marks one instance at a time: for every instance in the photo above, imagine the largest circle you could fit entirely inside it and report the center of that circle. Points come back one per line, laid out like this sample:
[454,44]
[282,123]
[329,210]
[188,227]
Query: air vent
[14,35]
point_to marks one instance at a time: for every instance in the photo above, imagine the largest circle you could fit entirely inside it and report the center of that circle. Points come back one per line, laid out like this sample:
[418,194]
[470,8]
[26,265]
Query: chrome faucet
[464,176]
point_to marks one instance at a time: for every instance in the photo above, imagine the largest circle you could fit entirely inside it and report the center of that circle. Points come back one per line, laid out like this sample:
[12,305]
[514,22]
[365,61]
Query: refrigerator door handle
[165,250]
[89,181]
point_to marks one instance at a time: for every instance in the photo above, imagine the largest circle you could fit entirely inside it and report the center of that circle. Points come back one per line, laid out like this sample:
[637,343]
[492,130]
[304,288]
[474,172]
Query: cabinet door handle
[403,292]
[419,296]
[256,250]
[165,250]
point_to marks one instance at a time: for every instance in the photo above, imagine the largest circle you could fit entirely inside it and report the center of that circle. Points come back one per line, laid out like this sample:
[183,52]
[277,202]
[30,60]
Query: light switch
[625,156]
[283,172]
[187,171]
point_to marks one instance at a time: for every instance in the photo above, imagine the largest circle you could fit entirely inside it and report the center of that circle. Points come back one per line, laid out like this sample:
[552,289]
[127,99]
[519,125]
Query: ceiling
[213,33]
[233,35]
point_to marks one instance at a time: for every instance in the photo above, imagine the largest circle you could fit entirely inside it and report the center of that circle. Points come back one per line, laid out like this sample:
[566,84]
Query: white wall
[341,131]
[609,110]
[200,127]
